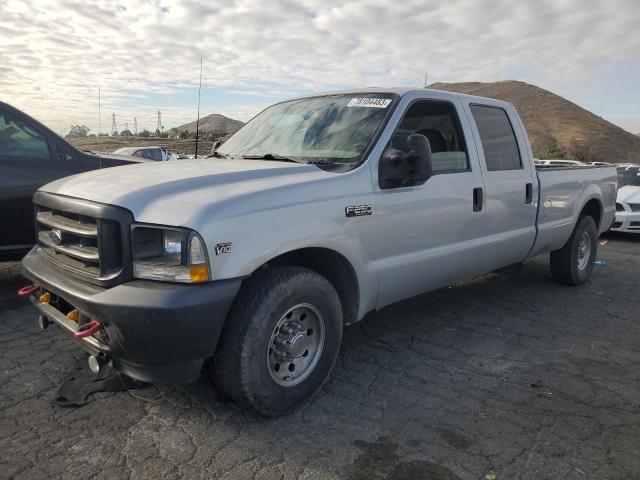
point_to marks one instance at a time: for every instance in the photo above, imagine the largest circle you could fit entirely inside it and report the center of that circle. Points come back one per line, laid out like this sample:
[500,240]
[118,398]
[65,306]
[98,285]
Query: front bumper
[152,331]
[626,221]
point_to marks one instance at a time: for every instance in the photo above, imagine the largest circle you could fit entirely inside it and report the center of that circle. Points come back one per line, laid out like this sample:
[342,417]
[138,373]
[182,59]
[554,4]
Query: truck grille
[71,239]
[89,240]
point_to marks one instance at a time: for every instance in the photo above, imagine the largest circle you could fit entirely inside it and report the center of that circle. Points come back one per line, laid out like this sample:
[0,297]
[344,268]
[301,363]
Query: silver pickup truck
[316,212]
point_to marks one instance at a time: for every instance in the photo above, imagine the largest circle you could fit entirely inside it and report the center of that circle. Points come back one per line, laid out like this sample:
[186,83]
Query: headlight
[168,254]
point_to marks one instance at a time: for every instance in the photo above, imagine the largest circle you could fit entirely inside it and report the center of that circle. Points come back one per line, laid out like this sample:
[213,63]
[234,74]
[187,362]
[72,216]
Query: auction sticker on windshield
[369,102]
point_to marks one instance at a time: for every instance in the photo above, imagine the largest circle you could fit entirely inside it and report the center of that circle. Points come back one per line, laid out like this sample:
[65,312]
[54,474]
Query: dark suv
[32,155]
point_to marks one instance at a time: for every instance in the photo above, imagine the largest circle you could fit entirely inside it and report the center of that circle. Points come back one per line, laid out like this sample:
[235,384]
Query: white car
[157,153]
[628,200]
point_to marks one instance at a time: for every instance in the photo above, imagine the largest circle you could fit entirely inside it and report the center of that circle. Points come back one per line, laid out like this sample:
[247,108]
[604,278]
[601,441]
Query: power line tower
[135,126]
[114,129]
[159,127]
[126,126]
[426,80]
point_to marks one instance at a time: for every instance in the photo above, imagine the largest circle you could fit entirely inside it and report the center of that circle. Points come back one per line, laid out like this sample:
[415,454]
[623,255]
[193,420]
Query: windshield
[329,129]
[629,176]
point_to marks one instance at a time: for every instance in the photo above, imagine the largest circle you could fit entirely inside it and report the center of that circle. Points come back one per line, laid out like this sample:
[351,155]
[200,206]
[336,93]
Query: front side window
[333,129]
[498,139]
[17,139]
[438,122]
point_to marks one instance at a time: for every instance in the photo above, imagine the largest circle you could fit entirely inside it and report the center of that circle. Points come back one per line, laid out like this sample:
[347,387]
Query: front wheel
[281,341]
[573,263]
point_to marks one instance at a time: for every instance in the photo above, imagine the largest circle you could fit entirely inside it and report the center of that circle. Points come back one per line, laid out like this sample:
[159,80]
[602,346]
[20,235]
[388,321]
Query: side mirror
[400,169]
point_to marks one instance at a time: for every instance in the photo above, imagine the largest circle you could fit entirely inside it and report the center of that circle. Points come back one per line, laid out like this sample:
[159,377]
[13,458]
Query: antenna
[198,118]
[114,129]
[135,127]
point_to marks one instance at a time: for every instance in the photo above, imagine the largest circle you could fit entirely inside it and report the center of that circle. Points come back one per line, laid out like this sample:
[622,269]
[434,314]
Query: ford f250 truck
[317,211]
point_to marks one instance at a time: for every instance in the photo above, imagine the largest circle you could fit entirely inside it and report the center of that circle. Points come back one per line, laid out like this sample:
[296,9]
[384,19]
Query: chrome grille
[88,239]
[70,239]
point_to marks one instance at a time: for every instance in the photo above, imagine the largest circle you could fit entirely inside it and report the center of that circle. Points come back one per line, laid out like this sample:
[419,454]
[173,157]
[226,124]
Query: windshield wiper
[271,156]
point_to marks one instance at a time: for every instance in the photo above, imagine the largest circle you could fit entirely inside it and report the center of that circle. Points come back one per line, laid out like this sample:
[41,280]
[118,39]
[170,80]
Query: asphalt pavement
[506,375]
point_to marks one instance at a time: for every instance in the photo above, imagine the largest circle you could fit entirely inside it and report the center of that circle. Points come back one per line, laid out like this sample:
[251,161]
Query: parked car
[628,201]
[155,153]
[561,163]
[317,211]
[30,156]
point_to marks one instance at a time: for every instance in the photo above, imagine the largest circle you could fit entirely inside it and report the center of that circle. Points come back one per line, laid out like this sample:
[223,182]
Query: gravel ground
[512,375]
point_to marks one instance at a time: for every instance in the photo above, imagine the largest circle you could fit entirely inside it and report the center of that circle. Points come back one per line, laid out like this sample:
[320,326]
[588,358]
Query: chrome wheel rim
[296,345]
[584,250]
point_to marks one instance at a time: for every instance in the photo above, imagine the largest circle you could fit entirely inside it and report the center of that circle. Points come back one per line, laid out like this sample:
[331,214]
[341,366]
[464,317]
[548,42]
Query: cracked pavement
[509,374]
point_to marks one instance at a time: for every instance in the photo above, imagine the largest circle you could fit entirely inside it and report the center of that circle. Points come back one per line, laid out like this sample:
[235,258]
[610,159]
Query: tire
[279,314]
[573,263]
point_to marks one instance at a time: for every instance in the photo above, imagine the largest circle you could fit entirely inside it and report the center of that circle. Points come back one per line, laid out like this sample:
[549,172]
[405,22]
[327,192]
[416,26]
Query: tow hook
[88,329]
[28,290]
[96,362]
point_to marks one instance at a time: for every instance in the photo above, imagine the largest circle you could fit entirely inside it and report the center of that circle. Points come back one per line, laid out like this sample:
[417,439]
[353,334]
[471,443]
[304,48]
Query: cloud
[55,55]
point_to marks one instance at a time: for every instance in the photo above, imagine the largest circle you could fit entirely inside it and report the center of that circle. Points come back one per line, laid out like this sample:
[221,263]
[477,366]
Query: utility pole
[135,127]
[198,118]
[426,80]
[114,129]
[99,107]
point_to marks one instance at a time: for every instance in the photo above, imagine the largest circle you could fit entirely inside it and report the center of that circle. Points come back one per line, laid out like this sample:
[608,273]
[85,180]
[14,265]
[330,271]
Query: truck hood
[629,194]
[175,193]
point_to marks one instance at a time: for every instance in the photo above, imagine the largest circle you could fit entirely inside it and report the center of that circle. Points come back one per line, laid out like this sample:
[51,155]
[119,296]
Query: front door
[427,233]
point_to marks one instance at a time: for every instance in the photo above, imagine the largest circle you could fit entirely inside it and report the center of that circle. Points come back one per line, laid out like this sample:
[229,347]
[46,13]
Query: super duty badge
[358,210]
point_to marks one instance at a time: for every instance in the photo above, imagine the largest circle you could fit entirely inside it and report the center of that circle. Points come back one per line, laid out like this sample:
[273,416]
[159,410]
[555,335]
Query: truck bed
[563,191]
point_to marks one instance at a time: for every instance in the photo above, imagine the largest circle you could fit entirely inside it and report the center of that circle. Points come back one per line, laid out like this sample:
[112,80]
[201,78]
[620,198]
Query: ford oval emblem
[56,236]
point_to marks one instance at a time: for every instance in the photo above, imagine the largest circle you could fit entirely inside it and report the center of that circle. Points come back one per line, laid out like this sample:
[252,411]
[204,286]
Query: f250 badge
[222,248]
[358,210]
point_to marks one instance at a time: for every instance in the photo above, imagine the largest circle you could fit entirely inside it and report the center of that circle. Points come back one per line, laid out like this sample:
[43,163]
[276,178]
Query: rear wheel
[281,340]
[573,263]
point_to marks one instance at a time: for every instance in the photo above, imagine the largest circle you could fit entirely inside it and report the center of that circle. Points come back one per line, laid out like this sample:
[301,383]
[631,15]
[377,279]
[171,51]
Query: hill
[213,123]
[556,126]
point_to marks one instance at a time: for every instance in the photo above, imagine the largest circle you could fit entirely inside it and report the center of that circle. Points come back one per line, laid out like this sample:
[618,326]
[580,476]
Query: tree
[581,150]
[78,131]
[184,134]
[144,133]
[545,146]
[126,133]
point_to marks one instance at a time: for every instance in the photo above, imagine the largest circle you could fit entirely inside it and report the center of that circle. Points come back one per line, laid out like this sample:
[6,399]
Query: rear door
[28,160]
[510,182]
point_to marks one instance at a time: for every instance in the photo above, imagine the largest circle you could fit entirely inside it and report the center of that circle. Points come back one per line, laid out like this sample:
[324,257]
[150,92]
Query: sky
[144,56]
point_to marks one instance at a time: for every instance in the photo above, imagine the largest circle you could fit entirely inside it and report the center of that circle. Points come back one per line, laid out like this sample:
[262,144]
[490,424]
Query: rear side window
[498,139]
[17,139]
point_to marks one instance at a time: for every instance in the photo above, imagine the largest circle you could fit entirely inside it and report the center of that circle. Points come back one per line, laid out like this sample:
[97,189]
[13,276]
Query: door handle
[478,199]
[529,193]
